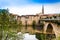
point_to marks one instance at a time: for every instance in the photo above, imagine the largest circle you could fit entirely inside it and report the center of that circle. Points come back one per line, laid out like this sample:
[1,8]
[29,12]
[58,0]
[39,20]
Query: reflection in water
[28,36]
[50,36]
[31,31]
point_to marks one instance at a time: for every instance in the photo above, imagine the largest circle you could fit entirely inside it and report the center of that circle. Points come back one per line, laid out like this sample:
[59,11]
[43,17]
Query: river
[28,36]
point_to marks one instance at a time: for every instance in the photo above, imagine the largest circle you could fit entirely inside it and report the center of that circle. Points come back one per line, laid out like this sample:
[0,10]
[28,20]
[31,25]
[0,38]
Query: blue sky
[4,3]
[45,1]
[26,4]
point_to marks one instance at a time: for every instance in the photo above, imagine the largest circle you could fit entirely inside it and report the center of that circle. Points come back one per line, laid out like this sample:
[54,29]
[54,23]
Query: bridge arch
[54,28]
[49,28]
[50,33]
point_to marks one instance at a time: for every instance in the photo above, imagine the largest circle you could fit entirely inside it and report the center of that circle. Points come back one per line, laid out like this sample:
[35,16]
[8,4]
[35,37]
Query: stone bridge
[50,28]
[54,29]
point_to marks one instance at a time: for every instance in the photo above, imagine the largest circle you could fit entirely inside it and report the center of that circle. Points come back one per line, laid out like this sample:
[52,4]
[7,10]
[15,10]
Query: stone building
[28,19]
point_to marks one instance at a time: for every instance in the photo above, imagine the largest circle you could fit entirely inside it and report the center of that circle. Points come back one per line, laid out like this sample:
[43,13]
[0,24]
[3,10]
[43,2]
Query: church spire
[42,9]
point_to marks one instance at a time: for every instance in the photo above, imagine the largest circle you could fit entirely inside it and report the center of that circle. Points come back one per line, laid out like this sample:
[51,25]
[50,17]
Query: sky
[30,7]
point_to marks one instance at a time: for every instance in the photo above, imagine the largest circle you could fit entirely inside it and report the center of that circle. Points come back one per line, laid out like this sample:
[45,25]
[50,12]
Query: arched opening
[49,28]
[50,33]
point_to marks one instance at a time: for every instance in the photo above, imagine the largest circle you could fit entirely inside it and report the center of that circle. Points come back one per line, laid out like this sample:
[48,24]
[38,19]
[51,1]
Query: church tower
[42,9]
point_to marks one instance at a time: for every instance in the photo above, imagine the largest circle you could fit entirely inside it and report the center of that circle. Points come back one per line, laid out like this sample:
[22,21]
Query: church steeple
[42,9]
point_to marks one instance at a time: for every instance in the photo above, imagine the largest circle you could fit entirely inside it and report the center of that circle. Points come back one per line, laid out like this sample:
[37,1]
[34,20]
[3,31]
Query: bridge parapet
[49,19]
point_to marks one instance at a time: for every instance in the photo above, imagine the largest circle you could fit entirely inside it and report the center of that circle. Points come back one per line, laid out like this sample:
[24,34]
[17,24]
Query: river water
[30,37]
[27,36]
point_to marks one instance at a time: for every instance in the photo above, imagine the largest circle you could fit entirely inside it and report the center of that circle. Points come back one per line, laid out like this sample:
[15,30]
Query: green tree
[8,22]
[3,20]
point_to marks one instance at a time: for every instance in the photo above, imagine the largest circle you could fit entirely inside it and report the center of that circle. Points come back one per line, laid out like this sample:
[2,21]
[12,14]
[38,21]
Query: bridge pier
[45,27]
[56,30]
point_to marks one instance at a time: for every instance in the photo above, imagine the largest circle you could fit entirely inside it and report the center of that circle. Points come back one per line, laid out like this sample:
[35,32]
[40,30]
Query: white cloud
[52,8]
[34,9]
[25,10]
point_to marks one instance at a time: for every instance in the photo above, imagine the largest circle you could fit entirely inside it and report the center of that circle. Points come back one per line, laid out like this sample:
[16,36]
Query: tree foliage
[8,23]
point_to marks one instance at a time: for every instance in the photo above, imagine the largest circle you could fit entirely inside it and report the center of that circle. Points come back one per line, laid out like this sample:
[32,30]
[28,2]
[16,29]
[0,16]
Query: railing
[49,19]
